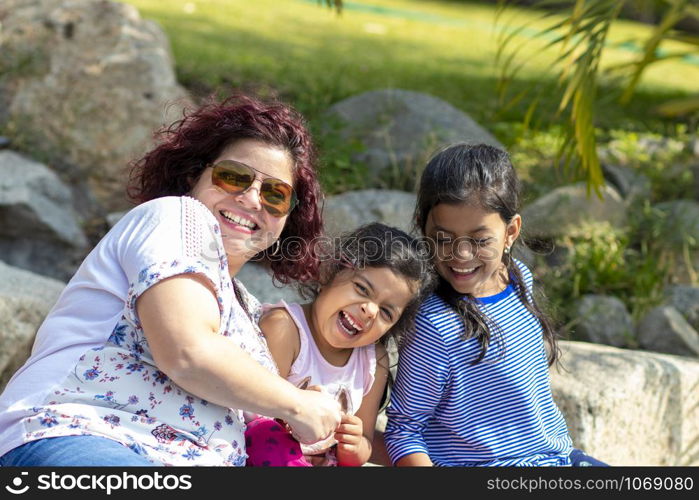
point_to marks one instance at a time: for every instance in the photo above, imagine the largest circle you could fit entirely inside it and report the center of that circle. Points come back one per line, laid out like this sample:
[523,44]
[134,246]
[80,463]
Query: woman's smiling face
[246,227]
[469,245]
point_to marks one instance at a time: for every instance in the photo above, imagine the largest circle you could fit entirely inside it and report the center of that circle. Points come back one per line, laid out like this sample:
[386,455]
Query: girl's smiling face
[469,245]
[357,308]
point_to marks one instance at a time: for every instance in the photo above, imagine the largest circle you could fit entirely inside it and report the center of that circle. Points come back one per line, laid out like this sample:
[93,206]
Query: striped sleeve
[423,371]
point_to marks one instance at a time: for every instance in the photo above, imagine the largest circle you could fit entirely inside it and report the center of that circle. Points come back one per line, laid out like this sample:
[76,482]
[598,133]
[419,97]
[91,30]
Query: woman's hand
[318,417]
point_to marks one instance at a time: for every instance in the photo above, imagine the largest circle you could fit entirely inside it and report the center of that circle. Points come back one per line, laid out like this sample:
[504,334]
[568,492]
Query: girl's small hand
[349,435]
[350,429]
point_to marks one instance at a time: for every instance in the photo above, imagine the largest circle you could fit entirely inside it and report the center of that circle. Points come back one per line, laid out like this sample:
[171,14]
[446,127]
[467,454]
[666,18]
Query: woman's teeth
[237,219]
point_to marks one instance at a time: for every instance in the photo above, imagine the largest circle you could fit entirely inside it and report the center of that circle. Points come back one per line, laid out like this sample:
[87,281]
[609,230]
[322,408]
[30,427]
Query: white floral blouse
[113,388]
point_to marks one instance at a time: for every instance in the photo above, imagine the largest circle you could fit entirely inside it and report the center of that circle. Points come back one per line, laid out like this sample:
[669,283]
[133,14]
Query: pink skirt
[270,444]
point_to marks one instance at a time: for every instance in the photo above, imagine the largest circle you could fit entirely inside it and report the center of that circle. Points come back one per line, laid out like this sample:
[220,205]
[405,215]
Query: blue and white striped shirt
[497,412]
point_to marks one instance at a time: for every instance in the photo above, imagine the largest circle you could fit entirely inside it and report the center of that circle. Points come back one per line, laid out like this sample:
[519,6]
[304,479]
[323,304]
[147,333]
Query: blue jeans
[85,451]
[579,459]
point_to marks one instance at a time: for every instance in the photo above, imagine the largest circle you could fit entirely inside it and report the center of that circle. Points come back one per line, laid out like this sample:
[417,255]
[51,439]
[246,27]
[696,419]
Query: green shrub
[664,160]
[338,172]
[634,263]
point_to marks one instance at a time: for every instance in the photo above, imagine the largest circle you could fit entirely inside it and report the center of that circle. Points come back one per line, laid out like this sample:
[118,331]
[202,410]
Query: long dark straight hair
[483,176]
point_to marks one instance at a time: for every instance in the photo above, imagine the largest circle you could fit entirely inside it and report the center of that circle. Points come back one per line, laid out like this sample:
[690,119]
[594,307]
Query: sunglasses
[276,196]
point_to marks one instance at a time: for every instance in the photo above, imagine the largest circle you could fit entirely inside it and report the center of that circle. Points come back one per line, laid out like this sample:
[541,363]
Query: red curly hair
[190,144]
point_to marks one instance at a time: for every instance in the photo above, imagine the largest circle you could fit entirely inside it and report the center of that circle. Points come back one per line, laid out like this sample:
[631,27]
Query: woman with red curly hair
[152,353]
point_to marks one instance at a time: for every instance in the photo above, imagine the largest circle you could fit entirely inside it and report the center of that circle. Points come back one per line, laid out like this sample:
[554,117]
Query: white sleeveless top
[348,383]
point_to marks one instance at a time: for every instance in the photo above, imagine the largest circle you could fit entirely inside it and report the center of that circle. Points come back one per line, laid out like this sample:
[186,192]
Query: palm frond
[678,107]
[670,19]
[333,4]
[692,11]
[581,37]
[658,58]
[684,38]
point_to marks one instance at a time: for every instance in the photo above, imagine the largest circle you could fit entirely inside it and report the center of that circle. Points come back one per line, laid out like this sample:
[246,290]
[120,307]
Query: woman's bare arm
[180,318]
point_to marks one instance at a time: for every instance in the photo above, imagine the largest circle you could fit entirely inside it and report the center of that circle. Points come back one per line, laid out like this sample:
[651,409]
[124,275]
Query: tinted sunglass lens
[273,201]
[233,177]
[276,196]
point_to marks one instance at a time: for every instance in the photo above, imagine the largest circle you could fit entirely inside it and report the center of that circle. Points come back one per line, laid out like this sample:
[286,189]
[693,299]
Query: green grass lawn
[309,56]
[313,57]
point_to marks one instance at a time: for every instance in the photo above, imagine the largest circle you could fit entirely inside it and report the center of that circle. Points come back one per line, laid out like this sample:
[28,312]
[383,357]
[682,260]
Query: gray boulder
[400,129]
[563,210]
[630,184]
[83,84]
[25,299]
[603,320]
[39,229]
[693,146]
[258,281]
[629,407]
[664,330]
[347,211]
[682,221]
[685,299]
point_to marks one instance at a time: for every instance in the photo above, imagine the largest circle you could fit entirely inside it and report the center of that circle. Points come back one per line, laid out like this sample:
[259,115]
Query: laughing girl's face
[358,308]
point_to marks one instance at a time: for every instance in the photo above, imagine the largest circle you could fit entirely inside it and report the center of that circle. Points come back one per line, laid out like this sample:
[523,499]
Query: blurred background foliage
[561,83]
